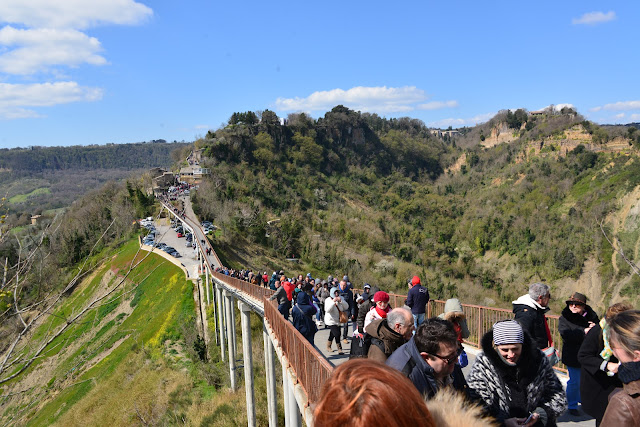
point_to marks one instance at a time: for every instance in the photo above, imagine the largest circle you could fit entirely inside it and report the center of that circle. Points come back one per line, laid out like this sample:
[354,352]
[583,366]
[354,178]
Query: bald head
[400,320]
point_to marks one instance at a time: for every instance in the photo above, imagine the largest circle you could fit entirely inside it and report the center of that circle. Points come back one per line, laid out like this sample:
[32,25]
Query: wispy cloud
[480,118]
[635,117]
[618,106]
[47,37]
[15,99]
[380,99]
[593,18]
[37,50]
[438,105]
[76,14]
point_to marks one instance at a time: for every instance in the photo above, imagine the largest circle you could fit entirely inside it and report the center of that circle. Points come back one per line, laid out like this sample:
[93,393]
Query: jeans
[284,309]
[317,311]
[418,319]
[573,387]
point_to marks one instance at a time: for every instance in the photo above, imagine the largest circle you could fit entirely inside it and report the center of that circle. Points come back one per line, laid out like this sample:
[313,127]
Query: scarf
[606,353]
[382,313]
[628,372]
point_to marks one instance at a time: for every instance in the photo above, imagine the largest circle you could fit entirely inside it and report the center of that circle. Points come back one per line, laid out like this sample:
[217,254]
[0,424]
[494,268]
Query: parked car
[189,237]
[175,254]
[180,235]
[188,244]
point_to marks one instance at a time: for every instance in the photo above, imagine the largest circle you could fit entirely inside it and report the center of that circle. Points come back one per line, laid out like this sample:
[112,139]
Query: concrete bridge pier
[292,416]
[221,322]
[245,321]
[231,326]
[206,275]
[270,371]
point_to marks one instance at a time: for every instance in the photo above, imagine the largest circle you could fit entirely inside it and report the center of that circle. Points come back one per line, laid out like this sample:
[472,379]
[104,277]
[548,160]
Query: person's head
[616,308]
[381,299]
[343,284]
[283,278]
[415,281]
[333,293]
[300,276]
[437,343]
[400,320]
[361,392]
[540,293]
[577,303]
[625,336]
[508,339]
[277,283]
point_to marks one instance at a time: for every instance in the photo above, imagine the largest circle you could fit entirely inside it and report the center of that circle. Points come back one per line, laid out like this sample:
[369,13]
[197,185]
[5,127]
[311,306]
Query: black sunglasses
[449,360]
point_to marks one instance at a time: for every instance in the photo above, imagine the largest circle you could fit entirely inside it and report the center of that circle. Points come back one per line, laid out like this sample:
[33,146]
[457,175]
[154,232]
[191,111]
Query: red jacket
[288,287]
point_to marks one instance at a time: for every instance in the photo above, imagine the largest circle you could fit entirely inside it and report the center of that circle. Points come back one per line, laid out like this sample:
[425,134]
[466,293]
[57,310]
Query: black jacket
[531,317]
[571,327]
[595,385]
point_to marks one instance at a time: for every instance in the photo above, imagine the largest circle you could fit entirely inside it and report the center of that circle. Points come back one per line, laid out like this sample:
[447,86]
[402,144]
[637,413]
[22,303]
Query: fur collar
[579,319]
[527,365]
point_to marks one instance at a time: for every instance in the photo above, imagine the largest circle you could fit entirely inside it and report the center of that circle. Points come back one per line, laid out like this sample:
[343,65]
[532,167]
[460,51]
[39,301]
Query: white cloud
[380,99]
[620,116]
[593,18]
[438,105]
[618,106]
[38,49]
[456,123]
[202,127]
[78,14]
[635,117]
[17,99]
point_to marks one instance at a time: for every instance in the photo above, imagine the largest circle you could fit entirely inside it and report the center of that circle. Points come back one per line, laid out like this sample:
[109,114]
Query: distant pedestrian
[417,300]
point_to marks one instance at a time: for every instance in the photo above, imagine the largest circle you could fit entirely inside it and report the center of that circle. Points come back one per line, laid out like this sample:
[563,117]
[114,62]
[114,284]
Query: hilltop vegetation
[380,199]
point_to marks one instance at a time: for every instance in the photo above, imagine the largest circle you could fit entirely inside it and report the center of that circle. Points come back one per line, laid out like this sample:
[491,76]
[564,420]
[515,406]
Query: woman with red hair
[362,392]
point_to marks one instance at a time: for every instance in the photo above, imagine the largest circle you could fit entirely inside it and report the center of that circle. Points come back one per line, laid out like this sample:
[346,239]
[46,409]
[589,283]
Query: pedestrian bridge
[304,368]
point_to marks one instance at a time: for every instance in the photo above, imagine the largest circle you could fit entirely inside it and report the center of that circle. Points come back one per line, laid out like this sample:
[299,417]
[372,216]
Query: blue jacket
[407,359]
[417,299]
[303,317]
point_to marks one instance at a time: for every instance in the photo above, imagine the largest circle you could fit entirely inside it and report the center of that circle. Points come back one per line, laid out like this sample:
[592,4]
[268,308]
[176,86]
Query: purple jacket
[417,299]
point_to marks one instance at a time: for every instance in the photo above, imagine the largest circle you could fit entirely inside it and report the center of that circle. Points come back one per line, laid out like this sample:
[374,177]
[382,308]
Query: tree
[264,148]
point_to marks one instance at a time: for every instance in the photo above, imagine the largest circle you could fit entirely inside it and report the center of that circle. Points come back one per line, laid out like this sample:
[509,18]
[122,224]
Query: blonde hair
[625,330]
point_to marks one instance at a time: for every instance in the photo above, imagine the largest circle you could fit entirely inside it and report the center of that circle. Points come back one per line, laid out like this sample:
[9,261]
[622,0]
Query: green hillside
[127,361]
[480,213]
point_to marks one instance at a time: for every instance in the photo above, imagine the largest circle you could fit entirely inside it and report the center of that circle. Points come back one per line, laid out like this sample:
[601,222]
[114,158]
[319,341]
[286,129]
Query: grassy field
[21,198]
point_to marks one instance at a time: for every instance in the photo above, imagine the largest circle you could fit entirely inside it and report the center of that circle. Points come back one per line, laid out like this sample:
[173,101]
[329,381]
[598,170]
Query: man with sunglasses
[429,358]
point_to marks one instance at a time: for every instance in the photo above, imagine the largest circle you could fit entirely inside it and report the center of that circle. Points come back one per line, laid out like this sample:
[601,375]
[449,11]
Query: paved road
[166,235]
[321,343]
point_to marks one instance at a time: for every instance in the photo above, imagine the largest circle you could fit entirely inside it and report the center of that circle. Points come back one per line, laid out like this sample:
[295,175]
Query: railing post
[221,321]
[230,339]
[270,371]
[232,321]
[245,320]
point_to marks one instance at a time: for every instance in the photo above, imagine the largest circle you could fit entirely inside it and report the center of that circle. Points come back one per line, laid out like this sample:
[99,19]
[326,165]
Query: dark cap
[577,297]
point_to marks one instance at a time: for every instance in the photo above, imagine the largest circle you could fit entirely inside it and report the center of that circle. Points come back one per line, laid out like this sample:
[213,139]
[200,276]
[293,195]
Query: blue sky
[77,72]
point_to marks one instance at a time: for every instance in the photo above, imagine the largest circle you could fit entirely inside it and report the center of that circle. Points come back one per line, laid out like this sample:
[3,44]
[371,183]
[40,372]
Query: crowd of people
[512,380]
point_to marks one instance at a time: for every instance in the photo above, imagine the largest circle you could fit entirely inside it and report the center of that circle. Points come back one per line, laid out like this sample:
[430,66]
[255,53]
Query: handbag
[552,355]
[343,316]
[359,347]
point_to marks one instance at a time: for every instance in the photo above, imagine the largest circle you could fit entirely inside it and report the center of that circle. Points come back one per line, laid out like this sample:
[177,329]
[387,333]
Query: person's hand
[337,299]
[513,422]
[612,367]
[588,328]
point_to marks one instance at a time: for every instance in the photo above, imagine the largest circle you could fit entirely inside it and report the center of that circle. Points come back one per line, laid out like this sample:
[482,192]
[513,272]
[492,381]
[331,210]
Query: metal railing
[311,368]
[257,292]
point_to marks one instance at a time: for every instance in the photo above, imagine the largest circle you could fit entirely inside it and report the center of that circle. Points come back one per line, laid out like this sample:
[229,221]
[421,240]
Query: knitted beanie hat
[381,296]
[507,332]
